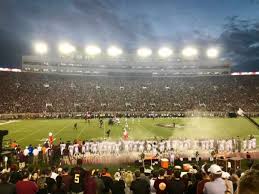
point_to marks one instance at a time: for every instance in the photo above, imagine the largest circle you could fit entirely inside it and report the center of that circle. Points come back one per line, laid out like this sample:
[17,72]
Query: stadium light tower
[66,48]
[165,52]
[40,48]
[144,52]
[92,50]
[212,53]
[189,52]
[114,51]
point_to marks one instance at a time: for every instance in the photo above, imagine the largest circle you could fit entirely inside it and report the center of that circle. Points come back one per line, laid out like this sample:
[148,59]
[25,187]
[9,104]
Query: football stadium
[129,115]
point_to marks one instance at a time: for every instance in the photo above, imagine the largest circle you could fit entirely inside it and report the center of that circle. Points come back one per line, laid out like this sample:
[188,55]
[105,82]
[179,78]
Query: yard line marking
[65,126]
[8,122]
[81,131]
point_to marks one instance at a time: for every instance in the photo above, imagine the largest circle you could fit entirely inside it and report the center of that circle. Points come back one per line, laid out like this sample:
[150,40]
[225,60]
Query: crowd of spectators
[207,179]
[37,93]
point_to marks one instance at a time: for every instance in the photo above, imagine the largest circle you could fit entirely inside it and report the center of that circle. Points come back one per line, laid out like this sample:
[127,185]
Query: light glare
[165,52]
[114,51]
[144,52]
[41,48]
[66,48]
[92,50]
[212,52]
[190,52]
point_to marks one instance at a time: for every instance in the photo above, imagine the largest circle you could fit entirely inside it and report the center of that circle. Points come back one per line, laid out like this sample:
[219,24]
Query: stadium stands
[35,92]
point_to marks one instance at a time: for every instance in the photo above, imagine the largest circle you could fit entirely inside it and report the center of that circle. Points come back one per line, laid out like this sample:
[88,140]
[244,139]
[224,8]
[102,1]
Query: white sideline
[8,122]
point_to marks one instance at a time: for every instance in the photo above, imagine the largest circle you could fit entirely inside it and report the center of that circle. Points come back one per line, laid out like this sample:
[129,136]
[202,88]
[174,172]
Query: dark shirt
[107,183]
[140,186]
[90,186]
[99,185]
[77,184]
[7,188]
[118,187]
[43,191]
[158,187]
[176,187]
[67,179]
[51,184]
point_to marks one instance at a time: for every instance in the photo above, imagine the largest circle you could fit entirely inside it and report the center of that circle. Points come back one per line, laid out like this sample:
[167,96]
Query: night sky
[128,23]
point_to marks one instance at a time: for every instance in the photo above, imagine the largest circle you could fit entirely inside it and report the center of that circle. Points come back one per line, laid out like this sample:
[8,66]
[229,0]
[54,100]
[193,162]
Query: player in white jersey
[180,145]
[230,144]
[71,150]
[161,147]
[168,145]
[95,148]
[195,144]
[117,148]
[62,147]
[207,144]
[211,144]
[244,144]
[141,147]
[203,145]
[154,150]
[126,146]
[254,143]
[223,145]
[149,147]
[83,148]
[174,144]
[39,148]
[249,144]
[185,144]
[76,148]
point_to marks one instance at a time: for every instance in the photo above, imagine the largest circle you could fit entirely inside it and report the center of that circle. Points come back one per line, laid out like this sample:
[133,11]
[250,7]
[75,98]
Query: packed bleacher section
[36,93]
[205,179]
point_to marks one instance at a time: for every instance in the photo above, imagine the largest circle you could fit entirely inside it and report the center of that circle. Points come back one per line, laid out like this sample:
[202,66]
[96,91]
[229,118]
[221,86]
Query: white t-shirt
[54,175]
[25,152]
[35,152]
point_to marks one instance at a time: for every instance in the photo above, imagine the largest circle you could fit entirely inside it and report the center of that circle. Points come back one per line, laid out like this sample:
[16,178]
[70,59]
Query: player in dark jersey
[75,126]
[78,174]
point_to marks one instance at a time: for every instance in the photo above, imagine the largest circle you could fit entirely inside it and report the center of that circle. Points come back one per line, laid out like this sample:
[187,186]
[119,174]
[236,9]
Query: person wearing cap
[205,179]
[118,186]
[217,184]
[229,185]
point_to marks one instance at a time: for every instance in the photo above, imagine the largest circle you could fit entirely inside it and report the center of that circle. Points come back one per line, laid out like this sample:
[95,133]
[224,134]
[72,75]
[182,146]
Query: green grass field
[33,132]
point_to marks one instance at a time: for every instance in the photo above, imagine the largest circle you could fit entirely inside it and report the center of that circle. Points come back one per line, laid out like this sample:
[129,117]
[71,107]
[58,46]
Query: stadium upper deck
[144,62]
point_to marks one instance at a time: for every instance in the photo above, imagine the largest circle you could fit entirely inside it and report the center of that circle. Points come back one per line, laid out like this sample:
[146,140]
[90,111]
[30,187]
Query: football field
[36,131]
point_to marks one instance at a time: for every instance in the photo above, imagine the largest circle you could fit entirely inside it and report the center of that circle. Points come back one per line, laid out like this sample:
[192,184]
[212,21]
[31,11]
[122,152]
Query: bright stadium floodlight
[189,52]
[114,51]
[144,52]
[212,53]
[66,48]
[165,52]
[41,48]
[92,50]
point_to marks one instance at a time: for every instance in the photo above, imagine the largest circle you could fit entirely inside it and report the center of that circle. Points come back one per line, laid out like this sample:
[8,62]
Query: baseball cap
[225,175]
[117,176]
[215,169]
